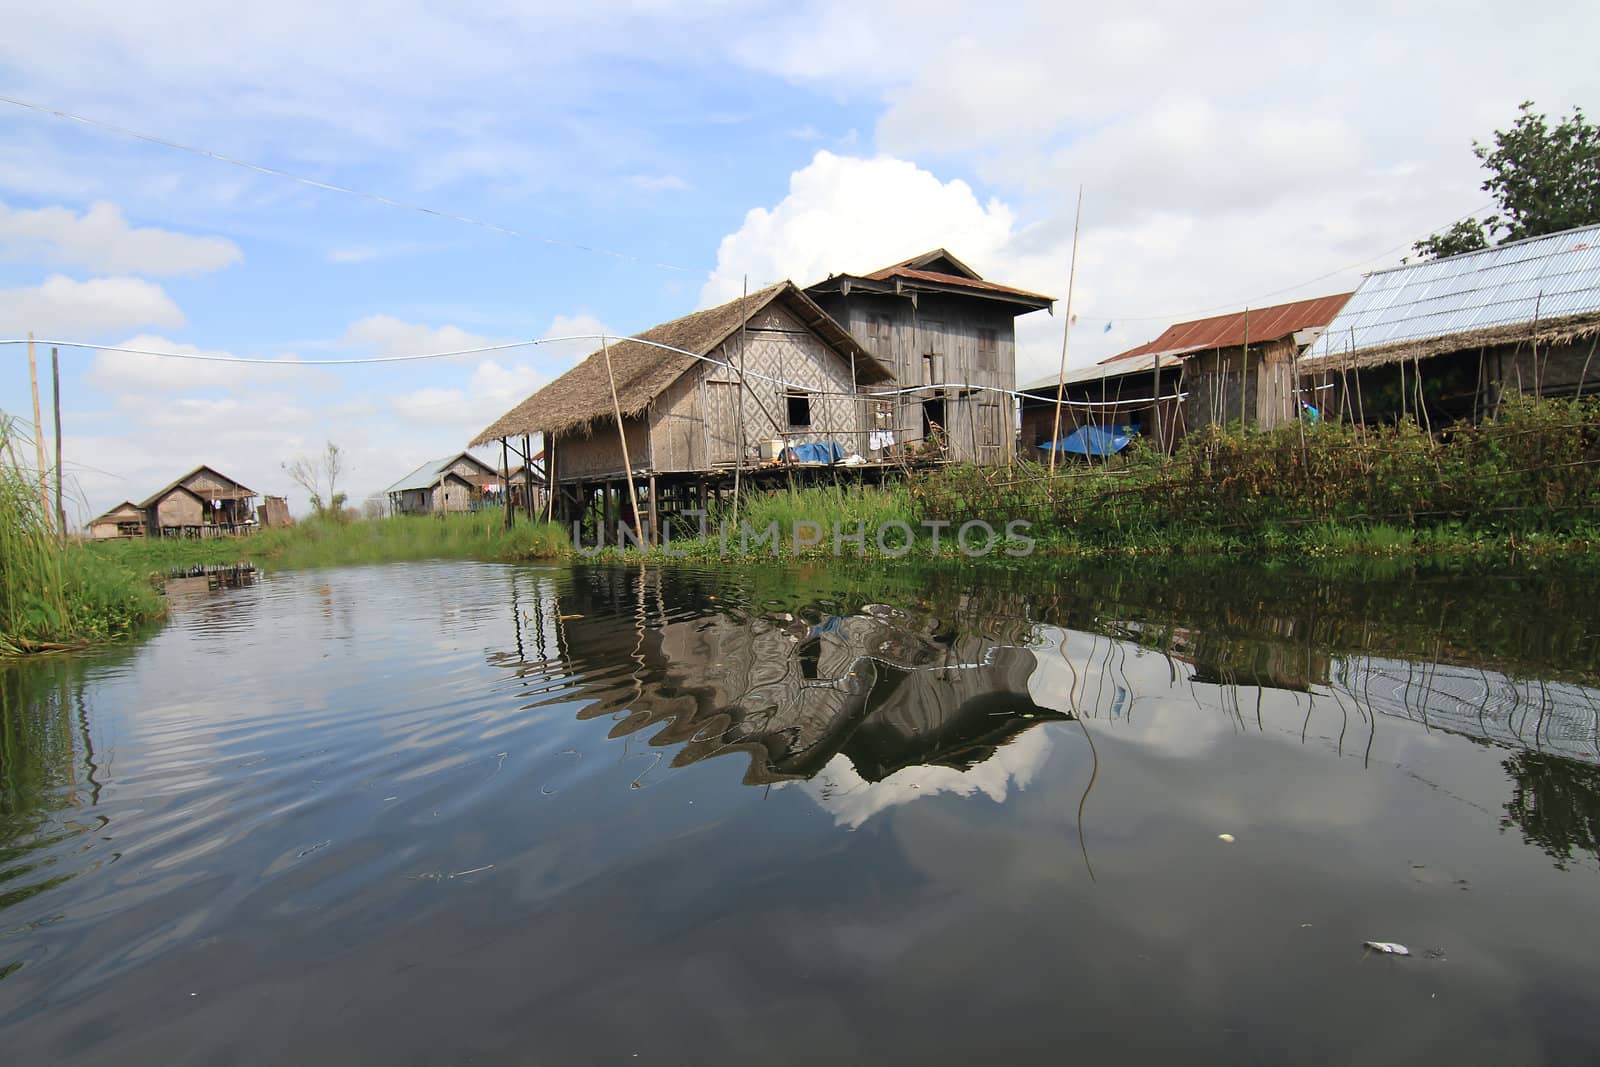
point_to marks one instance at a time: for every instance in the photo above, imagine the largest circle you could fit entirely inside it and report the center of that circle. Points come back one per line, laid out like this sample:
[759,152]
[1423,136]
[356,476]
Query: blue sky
[1229,156]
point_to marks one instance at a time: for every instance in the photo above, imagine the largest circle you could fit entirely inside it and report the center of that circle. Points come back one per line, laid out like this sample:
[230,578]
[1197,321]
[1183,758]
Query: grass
[54,596]
[328,542]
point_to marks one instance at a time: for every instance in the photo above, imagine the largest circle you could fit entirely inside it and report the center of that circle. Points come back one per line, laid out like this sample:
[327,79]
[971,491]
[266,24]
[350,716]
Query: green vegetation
[54,596]
[330,541]
[1527,482]
[1545,179]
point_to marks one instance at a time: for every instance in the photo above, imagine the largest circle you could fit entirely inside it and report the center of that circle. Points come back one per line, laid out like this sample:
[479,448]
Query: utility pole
[55,384]
[38,435]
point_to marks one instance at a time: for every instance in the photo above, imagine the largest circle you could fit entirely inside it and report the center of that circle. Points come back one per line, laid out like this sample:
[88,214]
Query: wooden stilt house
[127,519]
[201,503]
[746,383]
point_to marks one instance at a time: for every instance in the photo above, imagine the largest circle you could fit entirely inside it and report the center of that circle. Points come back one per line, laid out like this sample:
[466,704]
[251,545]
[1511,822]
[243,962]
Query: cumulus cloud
[390,336]
[133,373]
[848,214]
[491,389]
[68,308]
[100,239]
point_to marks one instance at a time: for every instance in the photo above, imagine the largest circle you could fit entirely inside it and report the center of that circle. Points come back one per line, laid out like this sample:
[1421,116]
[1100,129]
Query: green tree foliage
[1545,179]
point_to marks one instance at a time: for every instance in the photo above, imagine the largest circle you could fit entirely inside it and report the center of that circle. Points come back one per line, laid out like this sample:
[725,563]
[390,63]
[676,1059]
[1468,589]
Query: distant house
[730,385]
[1447,339]
[1226,368]
[948,336]
[455,483]
[201,503]
[125,520]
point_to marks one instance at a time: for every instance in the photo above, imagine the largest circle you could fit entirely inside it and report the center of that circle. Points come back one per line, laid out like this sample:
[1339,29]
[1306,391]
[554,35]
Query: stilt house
[739,384]
[1211,371]
[949,338]
[1447,339]
[454,483]
[201,503]
[125,520]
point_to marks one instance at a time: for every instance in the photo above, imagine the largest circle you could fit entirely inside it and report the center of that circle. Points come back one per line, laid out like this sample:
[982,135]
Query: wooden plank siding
[943,339]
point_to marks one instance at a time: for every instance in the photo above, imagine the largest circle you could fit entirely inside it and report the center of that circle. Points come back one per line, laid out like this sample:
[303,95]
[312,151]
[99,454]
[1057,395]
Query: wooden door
[722,422]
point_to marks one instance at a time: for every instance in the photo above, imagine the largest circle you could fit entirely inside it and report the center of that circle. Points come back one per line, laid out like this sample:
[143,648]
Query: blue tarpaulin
[816,452]
[1094,440]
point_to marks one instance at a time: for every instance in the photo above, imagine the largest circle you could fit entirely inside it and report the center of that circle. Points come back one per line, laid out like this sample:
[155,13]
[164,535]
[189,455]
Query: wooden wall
[178,508]
[941,340]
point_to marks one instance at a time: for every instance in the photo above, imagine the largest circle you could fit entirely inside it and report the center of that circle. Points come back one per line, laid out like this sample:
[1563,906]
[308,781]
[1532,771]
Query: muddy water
[469,813]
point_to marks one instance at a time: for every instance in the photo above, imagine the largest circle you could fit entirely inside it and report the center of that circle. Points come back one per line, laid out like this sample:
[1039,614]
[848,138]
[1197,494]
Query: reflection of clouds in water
[1103,679]
[841,791]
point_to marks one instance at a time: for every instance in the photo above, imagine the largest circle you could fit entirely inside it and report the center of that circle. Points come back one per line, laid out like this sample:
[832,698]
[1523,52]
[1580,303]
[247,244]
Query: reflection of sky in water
[468,811]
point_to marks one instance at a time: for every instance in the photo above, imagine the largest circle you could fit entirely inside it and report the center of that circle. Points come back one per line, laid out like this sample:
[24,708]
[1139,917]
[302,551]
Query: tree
[308,472]
[1544,178]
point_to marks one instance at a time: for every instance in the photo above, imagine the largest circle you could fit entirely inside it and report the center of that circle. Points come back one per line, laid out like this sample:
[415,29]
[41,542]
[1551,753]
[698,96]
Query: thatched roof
[1563,331]
[643,371]
[122,510]
[238,492]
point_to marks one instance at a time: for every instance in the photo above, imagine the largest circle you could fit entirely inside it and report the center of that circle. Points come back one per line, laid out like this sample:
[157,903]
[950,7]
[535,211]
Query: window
[799,410]
[988,350]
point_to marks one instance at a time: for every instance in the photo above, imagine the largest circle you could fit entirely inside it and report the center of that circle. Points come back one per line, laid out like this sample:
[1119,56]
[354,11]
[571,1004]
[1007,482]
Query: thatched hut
[1447,339]
[125,520]
[200,503]
[724,387]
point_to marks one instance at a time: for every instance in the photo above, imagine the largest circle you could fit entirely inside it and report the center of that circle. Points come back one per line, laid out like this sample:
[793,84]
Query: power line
[317,183]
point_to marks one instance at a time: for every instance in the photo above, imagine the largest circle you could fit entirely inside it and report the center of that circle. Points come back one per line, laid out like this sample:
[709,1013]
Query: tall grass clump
[54,596]
[1323,487]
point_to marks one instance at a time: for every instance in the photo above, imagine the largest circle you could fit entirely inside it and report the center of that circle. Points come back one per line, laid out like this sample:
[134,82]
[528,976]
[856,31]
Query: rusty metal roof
[1539,278]
[1227,331]
[956,281]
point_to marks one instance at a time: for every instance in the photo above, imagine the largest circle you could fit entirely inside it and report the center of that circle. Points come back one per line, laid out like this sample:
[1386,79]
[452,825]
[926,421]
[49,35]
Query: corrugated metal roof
[427,475]
[1541,277]
[1226,331]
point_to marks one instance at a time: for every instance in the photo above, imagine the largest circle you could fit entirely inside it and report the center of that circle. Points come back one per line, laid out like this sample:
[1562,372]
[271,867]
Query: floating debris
[1225,838]
[1388,948]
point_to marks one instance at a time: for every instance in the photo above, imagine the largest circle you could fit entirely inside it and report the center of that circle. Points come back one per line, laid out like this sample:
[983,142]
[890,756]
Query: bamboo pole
[55,393]
[1155,392]
[505,482]
[738,452]
[622,435]
[38,436]
[1066,332]
[1244,370]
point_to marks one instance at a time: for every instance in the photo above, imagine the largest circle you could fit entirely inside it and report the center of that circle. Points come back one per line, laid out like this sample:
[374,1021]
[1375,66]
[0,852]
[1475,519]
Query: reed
[54,596]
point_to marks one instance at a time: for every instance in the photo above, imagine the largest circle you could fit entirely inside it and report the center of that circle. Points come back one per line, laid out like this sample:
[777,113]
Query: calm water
[455,812]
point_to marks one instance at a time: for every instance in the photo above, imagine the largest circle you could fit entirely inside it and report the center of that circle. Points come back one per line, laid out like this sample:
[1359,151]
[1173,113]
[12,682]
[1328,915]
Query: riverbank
[55,596]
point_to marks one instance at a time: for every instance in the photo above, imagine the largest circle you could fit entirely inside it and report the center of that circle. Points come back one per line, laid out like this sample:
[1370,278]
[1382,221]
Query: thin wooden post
[1156,403]
[1066,332]
[738,452]
[38,437]
[527,473]
[655,515]
[622,435]
[1244,370]
[505,481]
[55,382]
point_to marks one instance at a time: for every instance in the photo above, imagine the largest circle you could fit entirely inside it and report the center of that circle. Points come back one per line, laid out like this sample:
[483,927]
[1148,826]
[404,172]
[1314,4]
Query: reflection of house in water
[884,690]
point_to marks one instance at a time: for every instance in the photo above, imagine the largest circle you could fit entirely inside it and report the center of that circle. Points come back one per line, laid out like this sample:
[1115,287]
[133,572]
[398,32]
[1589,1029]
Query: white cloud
[657,183]
[848,214]
[390,336]
[66,308]
[100,239]
[132,373]
[491,389]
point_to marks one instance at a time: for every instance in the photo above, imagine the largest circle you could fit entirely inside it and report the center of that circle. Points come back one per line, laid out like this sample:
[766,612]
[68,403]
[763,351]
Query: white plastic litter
[1388,948]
